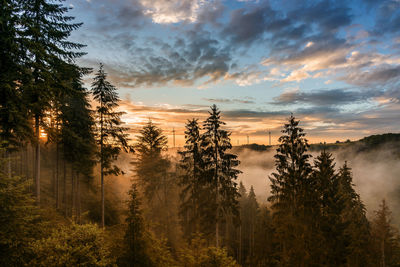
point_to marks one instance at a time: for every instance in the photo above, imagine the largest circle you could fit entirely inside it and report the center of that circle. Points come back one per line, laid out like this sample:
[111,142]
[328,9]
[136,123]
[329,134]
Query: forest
[66,198]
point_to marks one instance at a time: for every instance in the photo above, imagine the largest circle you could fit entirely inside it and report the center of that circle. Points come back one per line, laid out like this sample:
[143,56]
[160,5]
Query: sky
[334,64]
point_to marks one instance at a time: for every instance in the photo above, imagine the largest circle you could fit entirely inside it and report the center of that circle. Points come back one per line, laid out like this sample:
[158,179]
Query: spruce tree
[14,124]
[111,135]
[357,228]
[192,180]
[220,170]
[291,196]
[135,244]
[77,132]
[153,172]
[331,244]
[386,237]
[43,31]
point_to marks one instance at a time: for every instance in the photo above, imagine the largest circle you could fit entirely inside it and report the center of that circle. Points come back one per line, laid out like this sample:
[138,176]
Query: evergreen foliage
[192,181]
[135,253]
[111,135]
[221,173]
[19,218]
[386,238]
[43,32]
[292,197]
[153,171]
[73,245]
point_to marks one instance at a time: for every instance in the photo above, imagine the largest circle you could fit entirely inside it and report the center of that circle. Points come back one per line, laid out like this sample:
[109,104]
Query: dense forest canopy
[61,202]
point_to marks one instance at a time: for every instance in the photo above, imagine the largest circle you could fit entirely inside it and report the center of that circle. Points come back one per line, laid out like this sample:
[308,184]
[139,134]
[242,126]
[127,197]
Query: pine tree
[135,252]
[264,249]
[386,238]
[43,30]
[243,249]
[331,244]
[357,228]
[14,124]
[152,169]
[249,214]
[192,180]
[111,136]
[220,167]
[77,132]
[291,196]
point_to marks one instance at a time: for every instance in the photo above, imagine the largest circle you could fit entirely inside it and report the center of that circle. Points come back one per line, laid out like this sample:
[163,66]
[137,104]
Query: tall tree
[291,195]
[14,124]
[220,167]
[386,237]
[330,207]
[77,132]
[152,169]
[357,227]
[44,30]
[192,180]
[135,253]
[111,136]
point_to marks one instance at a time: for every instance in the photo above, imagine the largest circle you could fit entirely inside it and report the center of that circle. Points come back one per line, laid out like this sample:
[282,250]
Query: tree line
[184,209]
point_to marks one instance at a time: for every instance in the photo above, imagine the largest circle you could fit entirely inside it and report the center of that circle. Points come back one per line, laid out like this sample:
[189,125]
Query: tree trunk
[37,160]
[78,189]
[72,194]
[102,197]
[65,190]
[101,169]
[8,159]
[57,179]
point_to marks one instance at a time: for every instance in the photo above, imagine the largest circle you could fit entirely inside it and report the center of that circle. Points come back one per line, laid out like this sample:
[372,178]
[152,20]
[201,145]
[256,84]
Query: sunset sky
[334,64]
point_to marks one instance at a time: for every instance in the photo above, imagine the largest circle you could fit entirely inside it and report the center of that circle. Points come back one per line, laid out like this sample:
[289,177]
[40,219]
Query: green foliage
[72,245]
[198,254]
[292,197]
[220,171]
[111,136]
[135,242]
[14,125]
[19,219]
[156,179]
[192,181]
[386,240]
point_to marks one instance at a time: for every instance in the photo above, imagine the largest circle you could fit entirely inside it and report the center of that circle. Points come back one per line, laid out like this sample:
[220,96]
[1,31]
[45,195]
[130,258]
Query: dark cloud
[246,26]
[229,101]
[381,75]
[327,97]
[183,62]
[388,17]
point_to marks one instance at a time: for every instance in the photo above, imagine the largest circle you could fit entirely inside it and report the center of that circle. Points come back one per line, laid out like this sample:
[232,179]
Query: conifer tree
[192,180]
[291,196]
[43,30]
[220,167]
[386,237]
[357,228]
[264,250]
[111,135]
[135,253]
[77,132]
[14,125]
[152,169]
[328,216]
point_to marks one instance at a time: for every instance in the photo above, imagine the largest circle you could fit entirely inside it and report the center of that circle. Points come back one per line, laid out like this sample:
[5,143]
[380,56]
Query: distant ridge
[368,142]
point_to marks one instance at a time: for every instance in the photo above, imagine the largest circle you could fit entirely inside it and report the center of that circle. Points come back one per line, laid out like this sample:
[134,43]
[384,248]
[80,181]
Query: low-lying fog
[376,174]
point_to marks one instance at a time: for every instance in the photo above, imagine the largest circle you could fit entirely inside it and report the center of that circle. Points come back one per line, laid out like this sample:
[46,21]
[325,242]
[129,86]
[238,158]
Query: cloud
[296,75]
[229,101]
[172,11]
[327,97]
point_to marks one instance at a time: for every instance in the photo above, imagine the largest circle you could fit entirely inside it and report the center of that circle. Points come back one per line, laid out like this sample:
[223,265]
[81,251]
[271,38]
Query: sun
[43,134]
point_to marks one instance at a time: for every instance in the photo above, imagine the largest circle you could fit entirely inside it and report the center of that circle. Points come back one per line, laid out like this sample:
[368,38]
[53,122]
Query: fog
[376,174]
